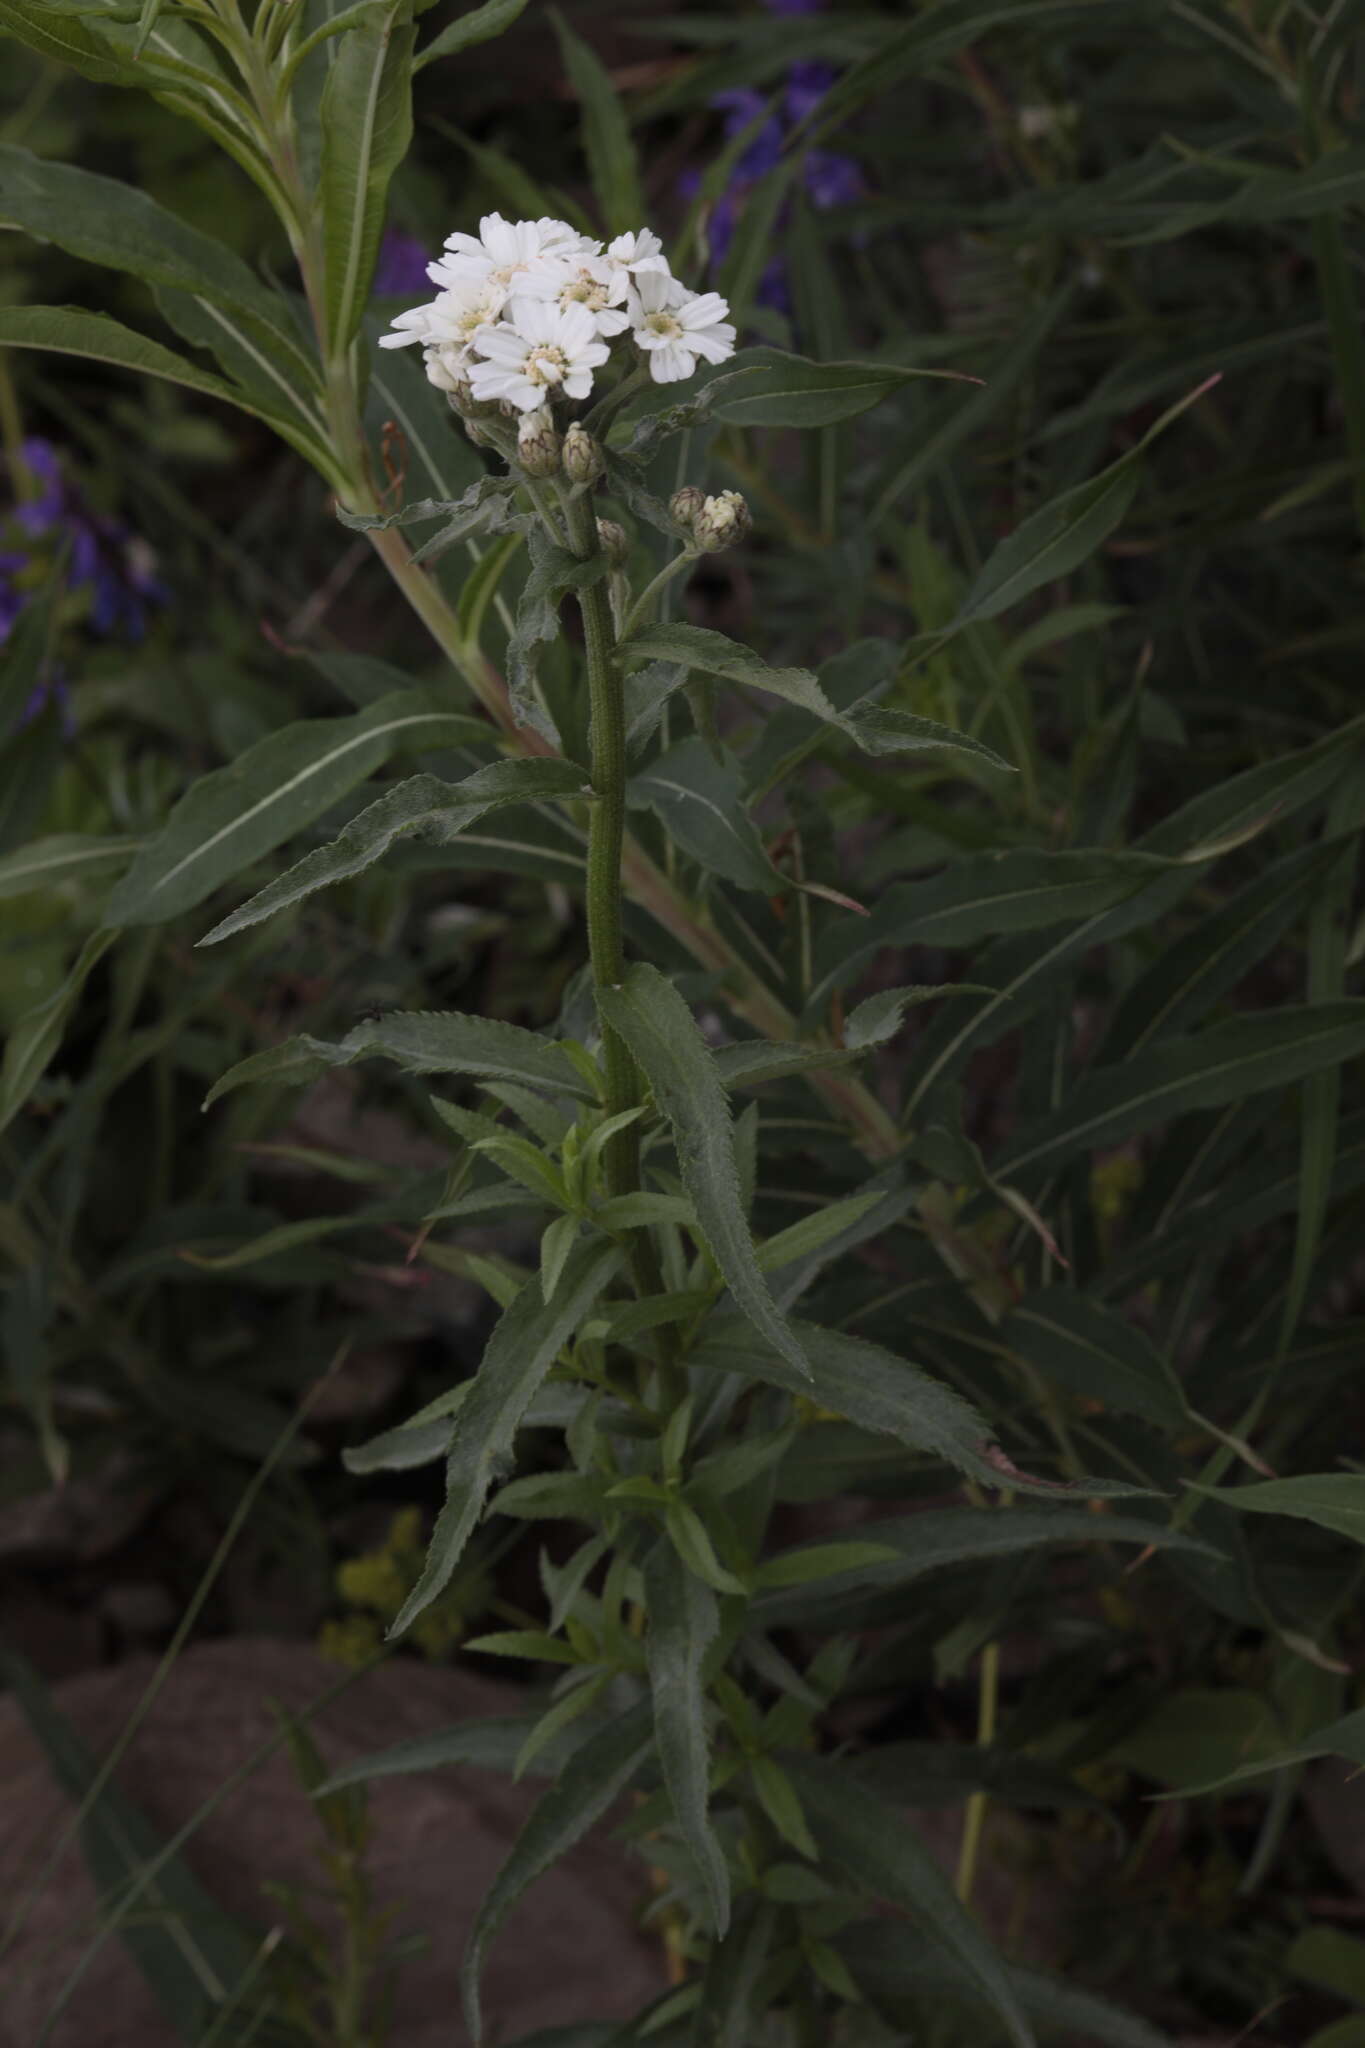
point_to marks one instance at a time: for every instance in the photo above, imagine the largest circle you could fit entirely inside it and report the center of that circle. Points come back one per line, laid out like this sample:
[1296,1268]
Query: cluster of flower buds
[713,523]
[527,311]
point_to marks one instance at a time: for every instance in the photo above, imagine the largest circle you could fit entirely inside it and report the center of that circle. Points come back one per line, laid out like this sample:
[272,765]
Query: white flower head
[582,279]
[538,352]
[448,323]
[638,253]
[675,326]
[505,251]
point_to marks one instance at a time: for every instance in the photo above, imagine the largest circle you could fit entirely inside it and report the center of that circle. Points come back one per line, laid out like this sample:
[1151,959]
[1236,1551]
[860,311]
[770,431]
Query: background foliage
[1107,1196]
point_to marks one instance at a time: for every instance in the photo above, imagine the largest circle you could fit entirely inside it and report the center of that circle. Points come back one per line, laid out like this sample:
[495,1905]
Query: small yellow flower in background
[374,1586]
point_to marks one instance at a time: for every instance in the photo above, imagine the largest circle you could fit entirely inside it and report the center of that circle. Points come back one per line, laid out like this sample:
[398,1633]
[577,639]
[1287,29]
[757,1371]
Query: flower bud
[721,522]
[686,503]
[538,443]
[583,462]
[614,541]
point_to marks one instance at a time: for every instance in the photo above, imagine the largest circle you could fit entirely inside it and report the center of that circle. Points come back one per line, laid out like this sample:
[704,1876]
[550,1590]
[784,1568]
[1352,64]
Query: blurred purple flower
[402,266]
[102,559]
[829,179]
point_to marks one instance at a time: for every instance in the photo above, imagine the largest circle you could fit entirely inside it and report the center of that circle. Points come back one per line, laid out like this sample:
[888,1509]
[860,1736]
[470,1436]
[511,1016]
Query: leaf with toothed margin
[422,808]
[526,1341]
[596,1775]
[421,1042]
[663,1037]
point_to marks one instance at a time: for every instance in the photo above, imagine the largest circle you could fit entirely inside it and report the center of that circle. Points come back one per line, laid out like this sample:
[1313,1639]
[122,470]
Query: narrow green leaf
[1092,1350]
[190,1953]
[1242,1057]
[606,133]
[34,1040]
[1016,891]
[478,26]
[874,729]
[486,1744]
[1334,1500]
[421,1042]
[555,1245]
[818,1561]
[73,331]
[892,1863]
[595,1775]
[1058,537]
[366,128]
[897,1967]
[554,572]
[682,1624]
[62,858]
[658,1027]
[525,1344]
[782,1804]
[699,801]
[934,1540]
[421,808]
[230,818]
[774,389]
[1345,1738]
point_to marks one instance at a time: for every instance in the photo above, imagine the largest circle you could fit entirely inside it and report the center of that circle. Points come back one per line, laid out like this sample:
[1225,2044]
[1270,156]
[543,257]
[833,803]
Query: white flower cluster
[527,310]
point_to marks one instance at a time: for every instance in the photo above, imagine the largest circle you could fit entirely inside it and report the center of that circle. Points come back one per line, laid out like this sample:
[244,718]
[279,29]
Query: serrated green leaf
[682,1624]
[230,818]
[874,729]
[660,1031]
[525,1344]
[422,808]
[596,1775]
[421,1042]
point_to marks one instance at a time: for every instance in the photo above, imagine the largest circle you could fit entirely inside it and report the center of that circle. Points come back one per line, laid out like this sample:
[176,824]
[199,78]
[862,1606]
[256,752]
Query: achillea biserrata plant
[692,1365]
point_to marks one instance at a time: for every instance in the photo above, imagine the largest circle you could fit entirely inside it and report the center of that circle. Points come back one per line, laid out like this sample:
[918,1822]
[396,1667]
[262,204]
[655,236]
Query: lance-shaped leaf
[850,1825]
[700,803]
[1017,891]
[1096,1352]
[774,389]
[38,1032]
[1242,1057]
[489,506]
[606,133]
[1344,1738]
[1058,537]
[874,729]
[61,858]
[73,331]
[525,1344]
[659,1028]
[421,1042]
[553,573]
[897,1967]
[366,129]
[875,1022]
[230,818]
[942,1537]
[102,220]
[479,25]
[1334,1500]
[596,1775]
[880,1391]
[484,1744]
[682,1624]
[192,1955]
[422,808]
